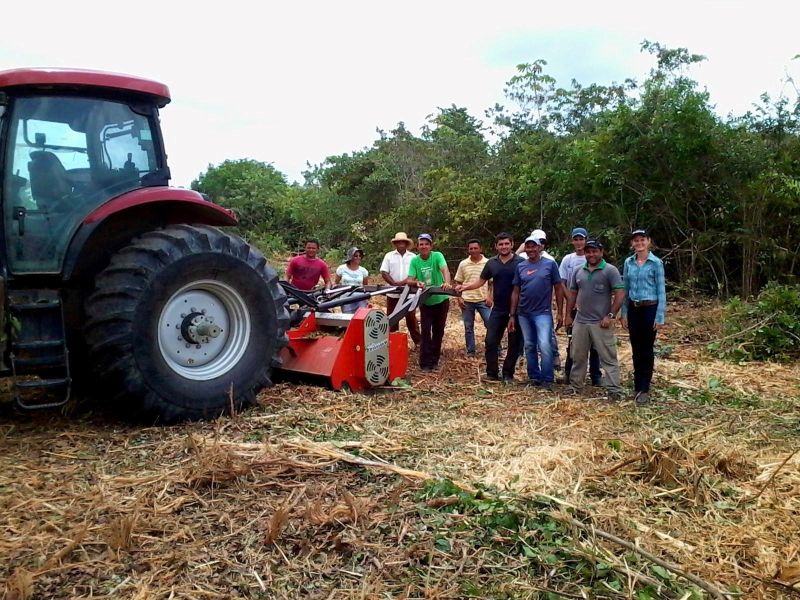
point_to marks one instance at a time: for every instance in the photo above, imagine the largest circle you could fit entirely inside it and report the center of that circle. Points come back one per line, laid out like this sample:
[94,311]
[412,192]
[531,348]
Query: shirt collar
[600,266]
[650,256]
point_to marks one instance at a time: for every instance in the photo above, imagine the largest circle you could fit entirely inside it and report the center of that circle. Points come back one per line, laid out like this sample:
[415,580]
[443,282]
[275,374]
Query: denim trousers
[537,331]
[468,317]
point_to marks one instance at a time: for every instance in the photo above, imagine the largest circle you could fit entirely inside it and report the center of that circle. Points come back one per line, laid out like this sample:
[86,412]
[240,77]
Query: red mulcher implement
[358,350]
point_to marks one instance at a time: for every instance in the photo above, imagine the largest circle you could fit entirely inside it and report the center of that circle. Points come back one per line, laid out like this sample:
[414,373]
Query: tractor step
[55,360]
[39,348]
[46,385]
[43,383]
[38,345]
[45,305]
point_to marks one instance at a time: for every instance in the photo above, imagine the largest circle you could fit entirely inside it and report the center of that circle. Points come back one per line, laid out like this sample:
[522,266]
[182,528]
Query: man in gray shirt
[598,292]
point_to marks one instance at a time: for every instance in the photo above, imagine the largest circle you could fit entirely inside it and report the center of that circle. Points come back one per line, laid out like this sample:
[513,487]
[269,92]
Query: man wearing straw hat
[394,270]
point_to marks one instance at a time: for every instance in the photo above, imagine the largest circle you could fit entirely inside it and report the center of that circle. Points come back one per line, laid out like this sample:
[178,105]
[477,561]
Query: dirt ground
[319,494]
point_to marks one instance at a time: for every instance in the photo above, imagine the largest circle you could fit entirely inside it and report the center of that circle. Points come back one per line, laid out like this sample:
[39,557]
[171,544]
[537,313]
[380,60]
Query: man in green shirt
[429,269]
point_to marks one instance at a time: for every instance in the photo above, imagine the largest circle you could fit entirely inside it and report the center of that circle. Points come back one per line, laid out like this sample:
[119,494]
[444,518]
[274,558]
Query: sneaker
[426,369]
[509,380]
[492,377]
[546,386]
[597,381]
[616,396]
[471,354]
[642,398]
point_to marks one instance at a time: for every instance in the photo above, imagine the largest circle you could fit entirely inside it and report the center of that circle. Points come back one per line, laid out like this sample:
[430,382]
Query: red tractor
[112,281]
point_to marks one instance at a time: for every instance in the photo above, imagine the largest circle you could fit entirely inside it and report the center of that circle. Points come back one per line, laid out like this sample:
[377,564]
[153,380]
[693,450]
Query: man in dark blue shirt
[532,303]
[500,271]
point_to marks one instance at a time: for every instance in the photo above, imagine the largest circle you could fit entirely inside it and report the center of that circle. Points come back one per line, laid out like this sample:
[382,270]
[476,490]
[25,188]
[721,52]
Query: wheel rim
[204,330]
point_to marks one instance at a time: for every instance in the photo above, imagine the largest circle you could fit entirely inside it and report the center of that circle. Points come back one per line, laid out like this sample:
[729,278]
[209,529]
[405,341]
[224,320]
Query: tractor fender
[115,223]
[192,201]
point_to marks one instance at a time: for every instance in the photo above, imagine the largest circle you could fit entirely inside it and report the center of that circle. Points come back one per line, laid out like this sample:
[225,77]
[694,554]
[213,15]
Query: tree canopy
[720,196]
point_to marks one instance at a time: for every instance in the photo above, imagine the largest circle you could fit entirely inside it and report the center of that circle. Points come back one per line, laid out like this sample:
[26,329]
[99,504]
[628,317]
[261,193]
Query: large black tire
[133,328]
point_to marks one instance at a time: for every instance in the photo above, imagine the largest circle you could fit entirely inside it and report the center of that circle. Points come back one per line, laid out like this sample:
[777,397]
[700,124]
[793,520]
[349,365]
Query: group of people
[513,293]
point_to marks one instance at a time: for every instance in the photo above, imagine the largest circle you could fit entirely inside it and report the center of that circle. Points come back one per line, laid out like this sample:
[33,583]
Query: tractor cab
[66,151]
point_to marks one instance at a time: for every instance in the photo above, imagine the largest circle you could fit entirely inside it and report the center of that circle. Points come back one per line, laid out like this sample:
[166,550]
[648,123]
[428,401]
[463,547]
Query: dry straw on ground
[317,494]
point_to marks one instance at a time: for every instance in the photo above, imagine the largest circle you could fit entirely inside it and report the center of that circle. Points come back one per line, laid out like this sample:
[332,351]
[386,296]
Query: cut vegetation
[450,488]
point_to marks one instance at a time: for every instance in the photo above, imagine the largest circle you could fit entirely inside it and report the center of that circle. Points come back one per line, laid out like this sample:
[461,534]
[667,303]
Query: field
[450,487]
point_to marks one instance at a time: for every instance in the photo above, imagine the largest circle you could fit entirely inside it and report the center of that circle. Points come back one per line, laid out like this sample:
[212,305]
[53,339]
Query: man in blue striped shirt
[644,309]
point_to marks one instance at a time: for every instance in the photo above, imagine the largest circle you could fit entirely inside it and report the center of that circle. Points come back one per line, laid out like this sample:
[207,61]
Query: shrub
[767,328]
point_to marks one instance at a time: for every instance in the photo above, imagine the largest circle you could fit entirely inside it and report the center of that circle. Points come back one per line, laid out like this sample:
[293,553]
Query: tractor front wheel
[185,323]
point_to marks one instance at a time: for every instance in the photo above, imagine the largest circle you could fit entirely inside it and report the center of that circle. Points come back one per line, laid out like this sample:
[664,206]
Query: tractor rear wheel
[185,323]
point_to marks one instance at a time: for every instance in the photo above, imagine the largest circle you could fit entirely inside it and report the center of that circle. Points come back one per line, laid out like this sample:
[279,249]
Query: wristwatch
[611,316]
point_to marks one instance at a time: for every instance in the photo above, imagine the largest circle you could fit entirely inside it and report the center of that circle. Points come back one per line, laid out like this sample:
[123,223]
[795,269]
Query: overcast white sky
[296,82]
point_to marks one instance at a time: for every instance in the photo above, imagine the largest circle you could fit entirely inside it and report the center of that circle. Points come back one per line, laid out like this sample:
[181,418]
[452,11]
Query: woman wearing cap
[644,309]
[352,273]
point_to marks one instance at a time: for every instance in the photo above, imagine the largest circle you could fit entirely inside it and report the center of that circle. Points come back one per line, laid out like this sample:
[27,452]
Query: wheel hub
[204,330]
[197,328]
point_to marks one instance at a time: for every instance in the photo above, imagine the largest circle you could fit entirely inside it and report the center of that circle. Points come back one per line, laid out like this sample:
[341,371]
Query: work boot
[642,398]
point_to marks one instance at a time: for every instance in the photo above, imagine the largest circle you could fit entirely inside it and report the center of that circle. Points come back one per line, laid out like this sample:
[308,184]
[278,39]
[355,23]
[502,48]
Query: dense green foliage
[261,198]
[721,196]
[768,328]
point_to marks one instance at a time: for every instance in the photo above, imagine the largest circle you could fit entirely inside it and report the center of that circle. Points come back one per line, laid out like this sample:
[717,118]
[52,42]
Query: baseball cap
[639,231]
[425,236]
[538,234]
[536,240]
[594,244]
[579,231]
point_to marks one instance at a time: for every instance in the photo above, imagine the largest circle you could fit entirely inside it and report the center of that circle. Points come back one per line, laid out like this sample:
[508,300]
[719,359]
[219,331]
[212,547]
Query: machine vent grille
[376,346]
[378,370]
[376,325]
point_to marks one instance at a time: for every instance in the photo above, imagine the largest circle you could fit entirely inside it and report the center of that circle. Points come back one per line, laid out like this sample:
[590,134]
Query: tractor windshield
[66,156]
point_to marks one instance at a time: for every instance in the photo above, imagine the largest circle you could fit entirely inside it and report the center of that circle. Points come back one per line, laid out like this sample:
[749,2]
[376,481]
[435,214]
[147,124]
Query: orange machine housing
[355,350]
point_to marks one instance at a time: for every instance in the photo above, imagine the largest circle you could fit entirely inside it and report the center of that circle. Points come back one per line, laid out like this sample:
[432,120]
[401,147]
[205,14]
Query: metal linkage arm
[411,297]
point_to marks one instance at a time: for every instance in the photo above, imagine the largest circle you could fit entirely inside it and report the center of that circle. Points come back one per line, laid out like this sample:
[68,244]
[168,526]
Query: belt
[638,303]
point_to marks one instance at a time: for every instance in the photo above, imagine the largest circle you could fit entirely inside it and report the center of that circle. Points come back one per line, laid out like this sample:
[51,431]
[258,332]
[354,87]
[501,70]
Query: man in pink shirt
[304,271]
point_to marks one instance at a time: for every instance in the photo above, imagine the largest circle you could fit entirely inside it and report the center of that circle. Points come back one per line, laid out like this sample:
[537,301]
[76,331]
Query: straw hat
[401,236]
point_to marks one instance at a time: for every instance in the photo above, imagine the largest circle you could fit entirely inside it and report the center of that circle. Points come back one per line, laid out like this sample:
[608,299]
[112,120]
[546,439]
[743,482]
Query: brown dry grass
[303,496]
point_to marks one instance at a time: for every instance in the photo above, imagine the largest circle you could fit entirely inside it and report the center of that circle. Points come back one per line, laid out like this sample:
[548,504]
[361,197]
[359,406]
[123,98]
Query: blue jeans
[468,316]
[537,330]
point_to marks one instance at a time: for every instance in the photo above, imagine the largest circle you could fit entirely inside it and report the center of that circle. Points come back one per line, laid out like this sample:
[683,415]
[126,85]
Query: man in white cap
[535,282]
[539,234]
[394,270]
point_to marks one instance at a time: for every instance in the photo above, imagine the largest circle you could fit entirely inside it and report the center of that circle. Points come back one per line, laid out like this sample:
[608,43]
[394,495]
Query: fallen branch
[701,583]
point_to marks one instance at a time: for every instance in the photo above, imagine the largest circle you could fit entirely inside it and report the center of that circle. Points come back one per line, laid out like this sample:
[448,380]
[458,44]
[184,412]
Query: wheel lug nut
[193,309]
[198,346]
[188,345]
[183,315]
[203,311]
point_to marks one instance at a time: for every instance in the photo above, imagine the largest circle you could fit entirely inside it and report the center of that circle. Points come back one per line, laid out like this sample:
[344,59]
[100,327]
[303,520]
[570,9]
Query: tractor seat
[50,184]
